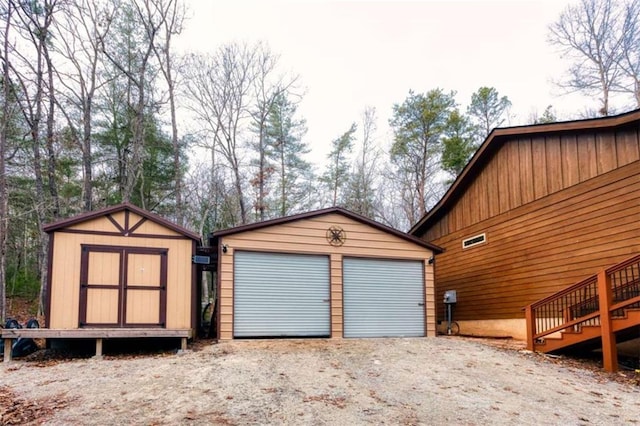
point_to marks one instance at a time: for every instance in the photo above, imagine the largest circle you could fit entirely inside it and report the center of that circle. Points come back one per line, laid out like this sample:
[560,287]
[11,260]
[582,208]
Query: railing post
[531,326]
[609,349]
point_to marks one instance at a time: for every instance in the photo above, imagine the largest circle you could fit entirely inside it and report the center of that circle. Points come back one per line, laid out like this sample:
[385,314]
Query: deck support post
[98,348]
[183,344]
[531,327]
[8,346]
[609,349]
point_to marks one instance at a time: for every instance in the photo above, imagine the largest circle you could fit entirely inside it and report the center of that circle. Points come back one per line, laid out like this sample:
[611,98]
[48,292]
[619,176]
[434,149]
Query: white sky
[363,53]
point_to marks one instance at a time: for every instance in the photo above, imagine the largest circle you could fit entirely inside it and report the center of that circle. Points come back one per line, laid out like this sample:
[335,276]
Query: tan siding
[430,299]
[309,236]
[142,307]
[336,296]
[152,228]
[543,246]
[65,287]
[101,224]
[515,193]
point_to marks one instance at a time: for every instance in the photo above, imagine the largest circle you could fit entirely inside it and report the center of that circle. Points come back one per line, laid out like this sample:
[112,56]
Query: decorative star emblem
[336,236]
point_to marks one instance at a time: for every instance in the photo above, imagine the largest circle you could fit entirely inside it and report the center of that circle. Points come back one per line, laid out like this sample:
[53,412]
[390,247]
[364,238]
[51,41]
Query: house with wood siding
[538,208]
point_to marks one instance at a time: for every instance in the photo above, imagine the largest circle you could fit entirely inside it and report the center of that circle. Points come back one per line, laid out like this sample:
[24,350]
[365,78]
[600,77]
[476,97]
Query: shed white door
[383,298]
[278,294]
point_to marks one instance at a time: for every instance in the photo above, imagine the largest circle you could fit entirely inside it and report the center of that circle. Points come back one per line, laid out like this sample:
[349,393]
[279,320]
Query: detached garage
[327,273]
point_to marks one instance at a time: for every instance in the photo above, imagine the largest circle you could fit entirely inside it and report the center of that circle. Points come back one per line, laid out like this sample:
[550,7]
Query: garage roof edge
[322,212]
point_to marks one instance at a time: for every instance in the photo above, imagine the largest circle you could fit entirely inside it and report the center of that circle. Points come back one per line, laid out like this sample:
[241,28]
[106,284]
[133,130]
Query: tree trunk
[4,126]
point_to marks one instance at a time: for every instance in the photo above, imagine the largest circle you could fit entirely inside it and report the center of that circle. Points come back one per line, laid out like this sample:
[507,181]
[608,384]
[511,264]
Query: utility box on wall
[450,297]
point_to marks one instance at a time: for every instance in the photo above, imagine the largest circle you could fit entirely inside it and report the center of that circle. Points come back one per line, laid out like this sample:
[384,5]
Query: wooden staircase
[599,311]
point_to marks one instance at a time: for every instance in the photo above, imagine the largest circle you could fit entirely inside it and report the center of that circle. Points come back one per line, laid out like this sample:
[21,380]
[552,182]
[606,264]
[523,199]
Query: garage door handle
[420,304]
[326,300]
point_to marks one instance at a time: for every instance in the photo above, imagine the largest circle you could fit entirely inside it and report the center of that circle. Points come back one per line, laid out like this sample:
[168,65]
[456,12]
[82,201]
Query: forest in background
[98,108]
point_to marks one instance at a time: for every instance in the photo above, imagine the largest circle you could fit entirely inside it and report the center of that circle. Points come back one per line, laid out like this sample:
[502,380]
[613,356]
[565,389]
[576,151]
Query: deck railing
[593,301]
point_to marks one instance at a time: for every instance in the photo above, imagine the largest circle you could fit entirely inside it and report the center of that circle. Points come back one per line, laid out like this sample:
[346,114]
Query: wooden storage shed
[538,208]
[326,273]
[116,273]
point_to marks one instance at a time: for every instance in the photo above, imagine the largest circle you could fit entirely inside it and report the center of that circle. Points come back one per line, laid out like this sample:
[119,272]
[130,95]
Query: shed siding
[541,247]
[65,279]
[532,168]
[309,236]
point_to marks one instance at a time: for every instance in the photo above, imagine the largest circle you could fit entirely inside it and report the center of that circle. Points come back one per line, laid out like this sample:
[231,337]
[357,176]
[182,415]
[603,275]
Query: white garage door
[383,298]
[278,294]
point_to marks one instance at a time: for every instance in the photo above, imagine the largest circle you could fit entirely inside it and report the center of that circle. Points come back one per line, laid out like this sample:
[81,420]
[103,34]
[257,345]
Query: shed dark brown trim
[128,228]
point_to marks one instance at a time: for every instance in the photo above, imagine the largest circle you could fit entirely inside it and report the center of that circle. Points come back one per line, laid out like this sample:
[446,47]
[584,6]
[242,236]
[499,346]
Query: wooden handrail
[624,304]
[567,325]
[564,291]
[622,265]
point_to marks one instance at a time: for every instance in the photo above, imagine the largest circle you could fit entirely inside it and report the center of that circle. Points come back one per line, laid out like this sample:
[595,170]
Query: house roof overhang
[494,141]
[215,236]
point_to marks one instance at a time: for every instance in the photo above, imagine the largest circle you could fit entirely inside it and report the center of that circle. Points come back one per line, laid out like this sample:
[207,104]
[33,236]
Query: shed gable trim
[496,139]
[122,229]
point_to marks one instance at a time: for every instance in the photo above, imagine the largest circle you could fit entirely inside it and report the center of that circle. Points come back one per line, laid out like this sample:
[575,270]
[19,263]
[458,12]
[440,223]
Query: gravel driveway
[339,382]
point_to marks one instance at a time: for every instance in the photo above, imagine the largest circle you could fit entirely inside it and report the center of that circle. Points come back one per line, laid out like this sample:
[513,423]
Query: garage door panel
[278,294]
[383,298]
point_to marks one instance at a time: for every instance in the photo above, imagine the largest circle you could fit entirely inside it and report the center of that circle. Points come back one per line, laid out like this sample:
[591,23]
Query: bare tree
[85,23]
[173,15]
[4,131]
[588,32]
[34,24]
[629,60]
[219,87]
[360,196]
[135,65]
[269,88]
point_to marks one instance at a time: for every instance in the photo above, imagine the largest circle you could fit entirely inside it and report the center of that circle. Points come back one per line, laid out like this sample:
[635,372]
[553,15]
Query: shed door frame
[122,286]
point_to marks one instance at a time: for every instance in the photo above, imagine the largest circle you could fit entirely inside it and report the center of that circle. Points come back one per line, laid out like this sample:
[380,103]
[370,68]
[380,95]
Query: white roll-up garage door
[383,298]
[278,294]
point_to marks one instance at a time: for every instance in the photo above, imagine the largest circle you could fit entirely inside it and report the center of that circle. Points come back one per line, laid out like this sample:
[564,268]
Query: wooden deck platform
[9,334]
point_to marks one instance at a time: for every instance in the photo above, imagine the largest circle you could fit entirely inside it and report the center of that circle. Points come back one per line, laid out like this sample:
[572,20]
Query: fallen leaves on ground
[20,411]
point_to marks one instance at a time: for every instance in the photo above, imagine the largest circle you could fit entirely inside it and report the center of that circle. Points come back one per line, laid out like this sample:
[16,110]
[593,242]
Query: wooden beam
[98,348]
[609,349]
[8,345]
[94,333]
[528,312]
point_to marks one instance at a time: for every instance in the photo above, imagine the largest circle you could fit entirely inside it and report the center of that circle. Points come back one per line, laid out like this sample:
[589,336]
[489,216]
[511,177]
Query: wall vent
[474,241]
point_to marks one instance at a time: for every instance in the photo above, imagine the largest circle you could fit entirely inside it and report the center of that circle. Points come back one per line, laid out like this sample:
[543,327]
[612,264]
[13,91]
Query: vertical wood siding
[527,169]
[309,236]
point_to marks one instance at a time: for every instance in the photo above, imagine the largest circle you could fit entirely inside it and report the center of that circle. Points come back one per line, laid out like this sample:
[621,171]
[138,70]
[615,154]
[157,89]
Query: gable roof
[65,223]
[496,139]
[316,213]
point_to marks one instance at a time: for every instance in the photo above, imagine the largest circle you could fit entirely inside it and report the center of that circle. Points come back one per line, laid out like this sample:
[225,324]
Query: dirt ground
[370,381]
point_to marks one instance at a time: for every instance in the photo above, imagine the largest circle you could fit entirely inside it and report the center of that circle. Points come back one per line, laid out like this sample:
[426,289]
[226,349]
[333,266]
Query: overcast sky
[362,53]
